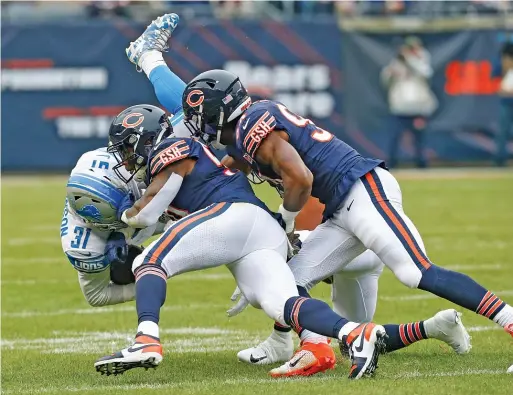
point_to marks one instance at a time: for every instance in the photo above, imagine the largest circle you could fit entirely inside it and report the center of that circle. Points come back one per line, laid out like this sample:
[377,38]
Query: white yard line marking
[184,340]
[484,328]
[105,310]
[255,381]
[37,282]
[184,277]
[470,372]
[190,330]
[33,260]
[23,241]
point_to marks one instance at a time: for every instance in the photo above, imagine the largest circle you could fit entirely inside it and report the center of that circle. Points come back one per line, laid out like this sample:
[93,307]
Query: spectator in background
[97,9]
[504,70]
[233,8]
[410,98]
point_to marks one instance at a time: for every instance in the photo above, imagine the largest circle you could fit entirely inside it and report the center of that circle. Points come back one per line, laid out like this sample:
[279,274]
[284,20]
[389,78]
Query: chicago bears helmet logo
[138,121]
[191,101]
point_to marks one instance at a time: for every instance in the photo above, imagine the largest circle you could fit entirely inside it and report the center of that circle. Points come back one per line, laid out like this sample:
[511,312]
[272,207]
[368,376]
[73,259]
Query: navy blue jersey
[209,182]
[335,165]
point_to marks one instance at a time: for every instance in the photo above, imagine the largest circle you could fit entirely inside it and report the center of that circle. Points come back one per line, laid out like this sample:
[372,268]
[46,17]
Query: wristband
[288,217]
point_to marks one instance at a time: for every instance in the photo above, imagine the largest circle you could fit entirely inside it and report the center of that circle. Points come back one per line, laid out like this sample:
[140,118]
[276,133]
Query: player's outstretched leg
[365,341]
[146,54]
[155,37]
[445,326]
[146,352]
[463,291]
[314,352]
[313,347]
[377,219]
[266,281]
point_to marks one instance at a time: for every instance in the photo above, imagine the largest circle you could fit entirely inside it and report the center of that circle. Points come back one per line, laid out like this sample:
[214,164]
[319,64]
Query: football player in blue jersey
[145,53]
[223,223]
[363,201]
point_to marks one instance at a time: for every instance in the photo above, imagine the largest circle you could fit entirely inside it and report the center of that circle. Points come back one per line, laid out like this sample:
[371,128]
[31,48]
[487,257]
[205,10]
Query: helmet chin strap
[218,144]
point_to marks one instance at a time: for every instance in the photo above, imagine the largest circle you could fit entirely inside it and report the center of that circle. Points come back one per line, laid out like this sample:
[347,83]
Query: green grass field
[51,337]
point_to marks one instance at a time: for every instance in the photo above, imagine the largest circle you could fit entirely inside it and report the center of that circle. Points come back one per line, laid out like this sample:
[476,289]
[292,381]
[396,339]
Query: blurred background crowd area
[278,10]
[422,83]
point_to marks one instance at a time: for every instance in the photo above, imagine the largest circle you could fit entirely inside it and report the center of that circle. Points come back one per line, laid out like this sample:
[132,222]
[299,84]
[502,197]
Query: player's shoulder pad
[169,151]
[255,125]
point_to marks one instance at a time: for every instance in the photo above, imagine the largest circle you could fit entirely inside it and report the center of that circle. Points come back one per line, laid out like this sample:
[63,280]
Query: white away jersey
[84,244]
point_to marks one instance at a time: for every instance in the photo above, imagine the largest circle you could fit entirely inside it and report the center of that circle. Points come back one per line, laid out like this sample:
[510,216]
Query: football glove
[116,249]
[121,272]
[238,307]
[294,244]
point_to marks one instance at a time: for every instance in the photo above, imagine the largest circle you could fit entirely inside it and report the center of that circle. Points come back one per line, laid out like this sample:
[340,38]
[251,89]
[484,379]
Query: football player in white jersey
[92,238]
[99,246]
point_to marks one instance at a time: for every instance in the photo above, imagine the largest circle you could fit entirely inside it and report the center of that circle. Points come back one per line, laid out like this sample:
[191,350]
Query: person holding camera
[410,98]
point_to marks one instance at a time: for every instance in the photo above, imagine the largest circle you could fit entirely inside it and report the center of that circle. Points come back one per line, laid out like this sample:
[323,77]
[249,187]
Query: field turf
[51,337]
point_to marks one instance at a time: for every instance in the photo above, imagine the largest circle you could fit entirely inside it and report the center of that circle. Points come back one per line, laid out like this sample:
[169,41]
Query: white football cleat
[146,353]
[446,326]
[154,38]
[366,342]
[274,349]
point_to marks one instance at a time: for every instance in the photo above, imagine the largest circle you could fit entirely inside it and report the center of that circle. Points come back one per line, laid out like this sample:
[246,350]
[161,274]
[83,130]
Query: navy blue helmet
[133,134]
[212,100]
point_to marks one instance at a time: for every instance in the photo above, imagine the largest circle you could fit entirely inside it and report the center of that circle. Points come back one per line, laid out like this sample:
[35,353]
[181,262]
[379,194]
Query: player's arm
[100,291]
[94,275]
[95,280]
[160,193]
[235,164]
[297,178]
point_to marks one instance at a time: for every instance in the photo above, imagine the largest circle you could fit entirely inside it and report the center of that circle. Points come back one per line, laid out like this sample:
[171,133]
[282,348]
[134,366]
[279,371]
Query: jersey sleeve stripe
[261,119]
[258,132]
[171,154]
[160,165]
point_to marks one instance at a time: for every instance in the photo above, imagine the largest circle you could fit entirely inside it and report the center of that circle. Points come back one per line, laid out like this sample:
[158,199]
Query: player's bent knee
[409,275]
[138,261]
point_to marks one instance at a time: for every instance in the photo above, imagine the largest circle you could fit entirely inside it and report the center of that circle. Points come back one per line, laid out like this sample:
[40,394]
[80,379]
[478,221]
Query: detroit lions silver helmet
[95,198]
